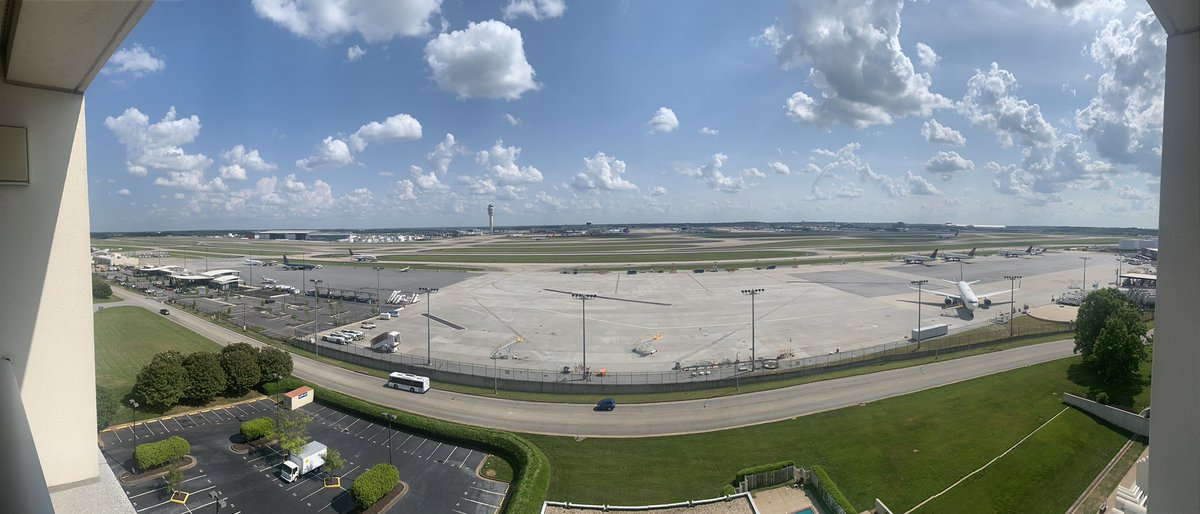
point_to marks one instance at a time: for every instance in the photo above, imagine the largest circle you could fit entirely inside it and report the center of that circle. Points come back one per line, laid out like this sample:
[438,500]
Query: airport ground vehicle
[308,459]
[406,382]
[606,404]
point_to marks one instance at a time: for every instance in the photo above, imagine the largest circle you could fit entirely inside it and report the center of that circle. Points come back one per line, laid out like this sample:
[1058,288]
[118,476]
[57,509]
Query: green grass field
[902,450]
[702,258]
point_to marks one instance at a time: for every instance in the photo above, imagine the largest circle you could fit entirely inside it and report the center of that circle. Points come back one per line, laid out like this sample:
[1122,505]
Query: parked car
[367,325]
[606,404]
[165,312]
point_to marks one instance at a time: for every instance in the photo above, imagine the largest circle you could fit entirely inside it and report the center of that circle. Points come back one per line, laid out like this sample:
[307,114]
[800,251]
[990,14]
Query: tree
[173,479]
[274,364]
[106,407]
[1094,314]
[241,370]
[206,377]
[101,289]
[162,382]
[1117,353]
[239,347]
[292,430]
[334,462]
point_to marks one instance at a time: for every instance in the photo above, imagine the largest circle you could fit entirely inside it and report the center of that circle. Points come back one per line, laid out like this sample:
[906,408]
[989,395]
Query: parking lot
[442,478]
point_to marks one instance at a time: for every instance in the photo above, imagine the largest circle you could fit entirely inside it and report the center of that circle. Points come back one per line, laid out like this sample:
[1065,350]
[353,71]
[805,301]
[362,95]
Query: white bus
[406,382]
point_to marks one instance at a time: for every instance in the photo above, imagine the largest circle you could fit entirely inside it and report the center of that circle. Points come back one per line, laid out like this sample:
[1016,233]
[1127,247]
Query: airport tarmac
[704,317]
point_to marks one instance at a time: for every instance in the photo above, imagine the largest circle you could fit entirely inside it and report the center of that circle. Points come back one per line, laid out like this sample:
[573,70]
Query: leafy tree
[239,347]
[173,479]
[1117,352]
[206,377]
[162,382]
[241,370]
[292,430]
[334,462]
[274,363]
[101,289]
[1094,314]
[106,407]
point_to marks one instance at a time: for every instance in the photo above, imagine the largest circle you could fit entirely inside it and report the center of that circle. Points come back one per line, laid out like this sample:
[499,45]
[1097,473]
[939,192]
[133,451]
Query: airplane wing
[985,295]
[947,295]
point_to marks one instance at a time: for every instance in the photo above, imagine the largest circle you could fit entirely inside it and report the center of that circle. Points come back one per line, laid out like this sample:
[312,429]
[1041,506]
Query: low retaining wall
[1124,419]
[648,508]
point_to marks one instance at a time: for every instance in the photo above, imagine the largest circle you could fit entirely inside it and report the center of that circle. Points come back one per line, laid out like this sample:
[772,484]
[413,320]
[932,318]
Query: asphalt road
[642,420]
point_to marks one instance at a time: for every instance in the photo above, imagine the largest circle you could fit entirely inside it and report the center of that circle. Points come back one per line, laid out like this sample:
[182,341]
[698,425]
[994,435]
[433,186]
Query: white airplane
[268,280]
[966,296]
[920,259]
[950,256]
[251,262]
[1016,253]
[404,269]
[362,257]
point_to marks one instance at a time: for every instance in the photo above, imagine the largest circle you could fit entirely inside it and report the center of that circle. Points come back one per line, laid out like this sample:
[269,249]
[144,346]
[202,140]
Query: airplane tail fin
[1029,250]
[971,253]
[351,251]
[934,254]
[285,261]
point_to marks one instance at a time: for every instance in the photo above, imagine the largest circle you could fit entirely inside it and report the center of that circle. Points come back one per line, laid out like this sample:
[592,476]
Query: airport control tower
[491,214]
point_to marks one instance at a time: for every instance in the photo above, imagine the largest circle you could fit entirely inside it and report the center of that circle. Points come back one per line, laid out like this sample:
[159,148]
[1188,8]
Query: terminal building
[300,235]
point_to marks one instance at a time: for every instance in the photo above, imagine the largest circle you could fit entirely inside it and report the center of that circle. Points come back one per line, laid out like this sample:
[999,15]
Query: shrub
[728,490]
[152,455]
[106,407]
[101,289]
[257,428]
[828,484]
[374,484]
[754,470]
[1102,398]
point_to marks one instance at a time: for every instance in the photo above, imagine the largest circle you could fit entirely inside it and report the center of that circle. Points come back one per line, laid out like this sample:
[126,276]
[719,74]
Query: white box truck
[386,342]
[307,460]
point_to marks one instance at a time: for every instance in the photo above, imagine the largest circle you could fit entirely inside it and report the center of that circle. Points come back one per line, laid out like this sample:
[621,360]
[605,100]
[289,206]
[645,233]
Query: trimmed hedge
[152,455]
[754,470]
[828,484]
[530,465]
[373,484]
[257,428]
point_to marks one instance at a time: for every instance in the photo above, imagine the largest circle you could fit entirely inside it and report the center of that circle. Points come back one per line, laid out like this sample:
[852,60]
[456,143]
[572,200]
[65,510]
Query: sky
[419,113]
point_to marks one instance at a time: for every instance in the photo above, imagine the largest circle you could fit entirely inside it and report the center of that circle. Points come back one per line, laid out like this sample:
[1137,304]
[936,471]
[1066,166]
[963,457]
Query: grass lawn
[703,258]
[496,468]
[902,450]
[111,299]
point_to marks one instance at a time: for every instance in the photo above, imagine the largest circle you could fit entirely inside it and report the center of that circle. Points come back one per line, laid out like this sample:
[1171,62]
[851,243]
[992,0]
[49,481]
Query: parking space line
[119,440]
[487,490]
[331,502]
[189,417]
[372,436]
[153,506]
[339,420]
[239,408]
[451,454]
[164,487]
[298,484]
[265,456]
[469,452]
[457,511]
[434,451]
[231,416]
[176,418]
[347,429]
[201,413]
[423,441]
[164,426]
[481,503]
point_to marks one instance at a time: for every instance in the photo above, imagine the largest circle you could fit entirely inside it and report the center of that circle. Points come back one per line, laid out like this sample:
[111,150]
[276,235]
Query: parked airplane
[966,296]
[404,269]
[920,259]
[950,256]
[298,265]
[268,280]
[948,236]
[1017,253]
[251,262]
[362,257]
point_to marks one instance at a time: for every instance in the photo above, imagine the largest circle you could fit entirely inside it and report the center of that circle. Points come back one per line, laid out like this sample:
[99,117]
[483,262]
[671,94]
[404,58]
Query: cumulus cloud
[1082,10]
[926,56]
[232,172]
[854,59]
[935,132]
[847,160]
[501,162]
[1127,111]
[330,153]
[157,146]
[123,192]
[443,154]
[1013,180]
[400,127]
[136,61]
[251,160]
[917,185]
[536,9]
[658,191]
[712,175]
[709,131]
[753,172]
[403,190]
[602,172]
[990,103]
[484,60]
[426,181]
[137,171]
[779,168]
[354,53]
[375,21]
[946,164]
[190,180]
[664,120]
[513,120]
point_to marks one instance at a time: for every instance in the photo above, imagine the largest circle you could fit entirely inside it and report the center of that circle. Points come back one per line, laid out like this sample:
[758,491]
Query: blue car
[606,404]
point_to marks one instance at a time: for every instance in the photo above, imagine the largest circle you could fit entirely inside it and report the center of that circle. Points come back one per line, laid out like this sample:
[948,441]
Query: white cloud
[853,54]
[331,153]
[400,127]
[1013,180]
[946,164]
[376,21]
[1127,110]
[849,191]
[604,173]
[232,172]
[1082,10]
[664,120]
[157,146]
[249,160]
[426,181]
[354,53]
[846,159]
[779,168]
[919,186]
[403,190]
[135,60]
[709,131]
[190,180]
[712,175]
[753,172]
[501,162]
[443,154]
[935,132]
[485,60]
[658,191]
[536,9]
[513,120]
[926,56]
[123,192]
[989,102]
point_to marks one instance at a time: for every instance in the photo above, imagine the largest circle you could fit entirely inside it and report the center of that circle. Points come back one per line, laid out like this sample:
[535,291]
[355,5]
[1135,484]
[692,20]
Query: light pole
[919,284]
[737,377]
[428,332]
[390,417]
[133,403]
[378,299]
[753,356]
[1085,259]
[316,294]
[583,299]
[1012,300]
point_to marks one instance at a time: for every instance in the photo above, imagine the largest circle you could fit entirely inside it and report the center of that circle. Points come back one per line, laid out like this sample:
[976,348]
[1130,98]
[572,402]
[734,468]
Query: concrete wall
[1124,419]
[46,309]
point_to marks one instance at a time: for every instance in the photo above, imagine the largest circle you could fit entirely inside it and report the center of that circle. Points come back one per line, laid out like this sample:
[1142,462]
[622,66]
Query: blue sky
[419,113]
